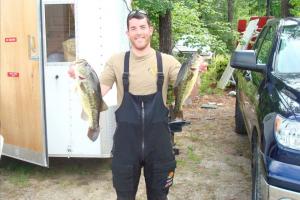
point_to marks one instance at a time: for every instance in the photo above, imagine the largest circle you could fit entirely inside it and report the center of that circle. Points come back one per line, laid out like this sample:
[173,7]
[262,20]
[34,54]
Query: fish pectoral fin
[93,133]
[103,106]
[84,115]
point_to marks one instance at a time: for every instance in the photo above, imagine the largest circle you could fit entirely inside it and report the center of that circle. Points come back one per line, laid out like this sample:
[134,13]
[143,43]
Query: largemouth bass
[88,87]
[185,82]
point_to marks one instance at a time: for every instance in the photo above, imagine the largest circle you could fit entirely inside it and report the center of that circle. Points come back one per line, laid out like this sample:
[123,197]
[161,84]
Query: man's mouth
[139,38]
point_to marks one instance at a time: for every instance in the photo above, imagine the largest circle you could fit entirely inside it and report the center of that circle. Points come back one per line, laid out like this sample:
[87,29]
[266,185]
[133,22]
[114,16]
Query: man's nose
[139,31]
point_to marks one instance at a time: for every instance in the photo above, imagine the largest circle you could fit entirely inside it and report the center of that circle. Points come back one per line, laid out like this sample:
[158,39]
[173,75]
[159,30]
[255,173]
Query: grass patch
[180,163]
[192,155]
[17,172]
[75,169]
[19,179]
[194,137]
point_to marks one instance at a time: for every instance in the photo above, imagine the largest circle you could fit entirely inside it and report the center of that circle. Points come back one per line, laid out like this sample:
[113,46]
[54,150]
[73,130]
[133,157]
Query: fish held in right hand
[88,87]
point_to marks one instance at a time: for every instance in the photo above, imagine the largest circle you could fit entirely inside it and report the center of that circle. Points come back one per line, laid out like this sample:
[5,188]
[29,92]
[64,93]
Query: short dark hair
[138,14]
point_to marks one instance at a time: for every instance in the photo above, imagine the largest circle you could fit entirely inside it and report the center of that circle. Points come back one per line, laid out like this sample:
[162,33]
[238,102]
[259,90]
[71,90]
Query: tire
[239,121]
[256,171]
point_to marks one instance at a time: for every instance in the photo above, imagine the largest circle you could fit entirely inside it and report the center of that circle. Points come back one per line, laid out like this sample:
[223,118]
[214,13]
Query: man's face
[139,33]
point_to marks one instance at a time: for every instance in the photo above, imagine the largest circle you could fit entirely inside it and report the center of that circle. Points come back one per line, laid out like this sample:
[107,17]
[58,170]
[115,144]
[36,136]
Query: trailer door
[22,121]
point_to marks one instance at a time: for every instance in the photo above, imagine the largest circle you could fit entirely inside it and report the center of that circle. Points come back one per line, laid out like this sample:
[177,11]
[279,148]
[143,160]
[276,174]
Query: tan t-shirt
[142,73]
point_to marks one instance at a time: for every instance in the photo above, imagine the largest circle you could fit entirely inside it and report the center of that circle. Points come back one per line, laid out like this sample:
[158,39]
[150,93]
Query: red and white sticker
[11,39]
[13,74]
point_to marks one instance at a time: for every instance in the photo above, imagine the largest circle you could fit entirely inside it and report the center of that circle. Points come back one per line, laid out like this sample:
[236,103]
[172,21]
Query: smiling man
[142,138]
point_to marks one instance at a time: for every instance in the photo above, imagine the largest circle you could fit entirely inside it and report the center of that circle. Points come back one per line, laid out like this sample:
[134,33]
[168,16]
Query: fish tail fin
[177,112]
[179,115]
[93,133]
[172,112]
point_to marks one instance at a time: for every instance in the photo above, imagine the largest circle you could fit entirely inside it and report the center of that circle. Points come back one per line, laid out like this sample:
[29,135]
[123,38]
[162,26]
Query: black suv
[268,108]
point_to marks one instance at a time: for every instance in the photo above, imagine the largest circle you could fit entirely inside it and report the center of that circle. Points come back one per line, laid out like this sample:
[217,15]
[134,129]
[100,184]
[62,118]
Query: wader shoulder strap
[126,72]
[160,74]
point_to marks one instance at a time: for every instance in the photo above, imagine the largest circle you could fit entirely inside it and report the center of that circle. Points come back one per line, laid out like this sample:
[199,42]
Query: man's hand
[203,67]
[104,88]
[71,71]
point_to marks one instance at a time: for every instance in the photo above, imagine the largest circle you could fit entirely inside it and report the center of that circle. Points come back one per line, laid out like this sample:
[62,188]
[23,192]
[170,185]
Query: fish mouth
[81,77]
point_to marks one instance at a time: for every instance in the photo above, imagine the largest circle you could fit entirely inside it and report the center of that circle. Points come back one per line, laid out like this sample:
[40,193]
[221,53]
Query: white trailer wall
[100,28]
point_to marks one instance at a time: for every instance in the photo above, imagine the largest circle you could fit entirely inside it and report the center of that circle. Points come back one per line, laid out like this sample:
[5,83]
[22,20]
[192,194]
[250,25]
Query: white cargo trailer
[39,109]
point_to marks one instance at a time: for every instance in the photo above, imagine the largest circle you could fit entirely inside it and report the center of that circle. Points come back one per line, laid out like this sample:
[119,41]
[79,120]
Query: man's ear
[151,30]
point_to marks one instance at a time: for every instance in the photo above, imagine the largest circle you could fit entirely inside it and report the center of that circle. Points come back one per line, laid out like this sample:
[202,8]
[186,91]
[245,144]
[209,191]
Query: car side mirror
[246,60]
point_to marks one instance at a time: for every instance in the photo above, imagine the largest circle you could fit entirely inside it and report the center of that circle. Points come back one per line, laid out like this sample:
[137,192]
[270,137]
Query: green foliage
[258,8]
[213,13]
[187,20]
[212,76]
[186,23]
[276,8]
[296,7]
[206,20]
[153,6]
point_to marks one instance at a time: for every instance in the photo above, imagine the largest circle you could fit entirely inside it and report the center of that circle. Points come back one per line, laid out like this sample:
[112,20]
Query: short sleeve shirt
[142,73]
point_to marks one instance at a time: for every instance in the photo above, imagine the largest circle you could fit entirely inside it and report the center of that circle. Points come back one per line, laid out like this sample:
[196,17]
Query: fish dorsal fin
[181,73]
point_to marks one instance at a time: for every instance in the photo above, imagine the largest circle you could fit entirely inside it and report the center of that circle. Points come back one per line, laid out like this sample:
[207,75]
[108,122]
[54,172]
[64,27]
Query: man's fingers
[203,67]
[71,72]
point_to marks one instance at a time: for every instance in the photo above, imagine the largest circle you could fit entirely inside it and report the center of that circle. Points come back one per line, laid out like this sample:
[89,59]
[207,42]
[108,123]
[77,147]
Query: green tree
[296,7]
[285,8]
[186,21]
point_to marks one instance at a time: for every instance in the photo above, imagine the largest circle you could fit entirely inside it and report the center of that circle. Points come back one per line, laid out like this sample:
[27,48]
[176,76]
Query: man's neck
[141,53]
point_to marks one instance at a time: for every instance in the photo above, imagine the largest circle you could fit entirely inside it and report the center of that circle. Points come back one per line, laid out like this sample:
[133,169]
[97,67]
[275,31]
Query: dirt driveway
[214,164]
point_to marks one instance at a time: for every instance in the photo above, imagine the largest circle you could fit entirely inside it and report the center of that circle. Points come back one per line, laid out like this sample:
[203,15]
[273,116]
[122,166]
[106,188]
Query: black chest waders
[142,139]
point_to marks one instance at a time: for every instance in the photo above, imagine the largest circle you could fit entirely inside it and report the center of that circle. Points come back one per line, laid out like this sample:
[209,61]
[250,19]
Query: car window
[288,57]
[266,46]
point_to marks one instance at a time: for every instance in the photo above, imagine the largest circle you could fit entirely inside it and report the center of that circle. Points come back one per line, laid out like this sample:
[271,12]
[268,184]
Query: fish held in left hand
[184,84]
[88,87]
